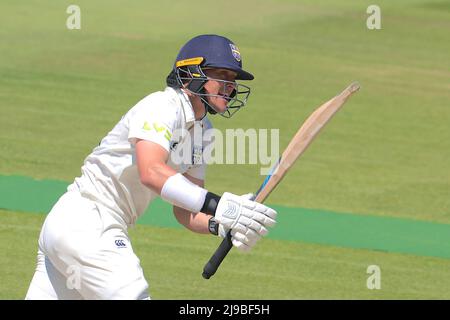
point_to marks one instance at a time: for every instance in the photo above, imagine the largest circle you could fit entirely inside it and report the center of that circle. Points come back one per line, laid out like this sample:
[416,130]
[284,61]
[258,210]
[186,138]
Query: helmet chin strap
[208,108]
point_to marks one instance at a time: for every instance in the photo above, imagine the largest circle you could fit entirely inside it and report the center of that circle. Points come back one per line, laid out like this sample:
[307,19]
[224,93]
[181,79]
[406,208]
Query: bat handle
[216,259]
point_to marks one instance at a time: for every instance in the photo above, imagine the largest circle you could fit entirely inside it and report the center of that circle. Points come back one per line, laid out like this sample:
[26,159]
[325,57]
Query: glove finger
[223,231]
[269,212]
[239,227]
[239,237]
[256,206]
[253,224]
[241,246]
[250,238]
[269,222]
[261,218]
[253,236]
[248,196]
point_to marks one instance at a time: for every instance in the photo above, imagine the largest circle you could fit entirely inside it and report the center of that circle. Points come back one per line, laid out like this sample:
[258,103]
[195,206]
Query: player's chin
[220,104]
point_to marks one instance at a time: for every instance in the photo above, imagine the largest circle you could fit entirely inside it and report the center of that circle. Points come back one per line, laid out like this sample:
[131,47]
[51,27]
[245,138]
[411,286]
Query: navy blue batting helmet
[217,52]
[209,51]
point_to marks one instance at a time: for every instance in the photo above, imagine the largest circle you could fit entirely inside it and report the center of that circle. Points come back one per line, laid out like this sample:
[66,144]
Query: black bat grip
[216,259]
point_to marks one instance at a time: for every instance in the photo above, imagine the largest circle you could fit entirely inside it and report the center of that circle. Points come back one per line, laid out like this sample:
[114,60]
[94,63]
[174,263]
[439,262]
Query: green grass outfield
[173,259]
[386,153]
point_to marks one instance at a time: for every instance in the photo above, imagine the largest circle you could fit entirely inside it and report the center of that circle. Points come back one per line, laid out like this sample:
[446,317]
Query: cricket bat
[299,143]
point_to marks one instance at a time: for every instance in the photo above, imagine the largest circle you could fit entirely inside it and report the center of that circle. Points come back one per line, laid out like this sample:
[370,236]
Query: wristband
[210,204]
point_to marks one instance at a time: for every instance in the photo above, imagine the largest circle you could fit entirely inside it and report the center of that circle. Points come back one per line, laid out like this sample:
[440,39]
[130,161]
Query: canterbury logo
[120,243]
[231,211]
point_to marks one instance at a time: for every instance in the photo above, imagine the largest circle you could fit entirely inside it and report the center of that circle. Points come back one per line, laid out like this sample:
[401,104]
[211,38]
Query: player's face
[221,82]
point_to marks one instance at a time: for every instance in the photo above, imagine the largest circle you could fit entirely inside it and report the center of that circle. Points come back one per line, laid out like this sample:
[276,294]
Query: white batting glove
[245,242]
[222,231]
[247,219]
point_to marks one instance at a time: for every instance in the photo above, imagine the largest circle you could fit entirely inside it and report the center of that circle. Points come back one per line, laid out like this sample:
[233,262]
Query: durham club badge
[235,52]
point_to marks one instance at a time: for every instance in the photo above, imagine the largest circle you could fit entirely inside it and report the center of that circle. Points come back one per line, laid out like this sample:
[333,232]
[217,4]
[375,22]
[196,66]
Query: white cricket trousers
[85,254]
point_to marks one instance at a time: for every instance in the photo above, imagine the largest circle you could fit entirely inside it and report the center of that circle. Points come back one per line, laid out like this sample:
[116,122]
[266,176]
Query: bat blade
[299,143]
[303,138]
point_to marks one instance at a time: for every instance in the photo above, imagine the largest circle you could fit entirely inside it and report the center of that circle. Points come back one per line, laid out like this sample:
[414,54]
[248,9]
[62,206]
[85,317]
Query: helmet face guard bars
[211,51]
[194,80]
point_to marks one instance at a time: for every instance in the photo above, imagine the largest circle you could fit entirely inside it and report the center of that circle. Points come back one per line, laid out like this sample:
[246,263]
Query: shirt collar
[188,109]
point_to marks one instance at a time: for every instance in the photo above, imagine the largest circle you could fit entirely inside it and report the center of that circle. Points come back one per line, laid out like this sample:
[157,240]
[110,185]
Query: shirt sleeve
[153,122]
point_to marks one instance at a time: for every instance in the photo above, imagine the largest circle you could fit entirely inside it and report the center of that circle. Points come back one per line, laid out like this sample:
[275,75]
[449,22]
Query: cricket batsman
[84,251]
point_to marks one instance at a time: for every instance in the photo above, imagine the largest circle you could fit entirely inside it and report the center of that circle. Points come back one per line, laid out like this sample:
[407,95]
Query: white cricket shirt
[110,176]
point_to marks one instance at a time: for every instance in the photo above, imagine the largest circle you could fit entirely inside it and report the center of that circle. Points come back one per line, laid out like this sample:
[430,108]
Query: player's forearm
[156,176]
[179,191]
[151,161]
[173,187]
[196,222]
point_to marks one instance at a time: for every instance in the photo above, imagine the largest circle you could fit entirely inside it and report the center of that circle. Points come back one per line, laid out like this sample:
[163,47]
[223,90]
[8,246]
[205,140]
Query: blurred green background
[386,153]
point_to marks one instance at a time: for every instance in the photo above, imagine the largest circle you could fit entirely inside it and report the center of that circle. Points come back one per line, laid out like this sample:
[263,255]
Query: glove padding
[247,219]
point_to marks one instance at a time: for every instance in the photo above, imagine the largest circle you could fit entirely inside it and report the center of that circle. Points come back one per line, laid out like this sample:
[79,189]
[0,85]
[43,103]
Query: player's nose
[229,87]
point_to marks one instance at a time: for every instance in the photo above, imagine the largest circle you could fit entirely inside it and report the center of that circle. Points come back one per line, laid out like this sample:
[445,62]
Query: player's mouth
[225,97]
